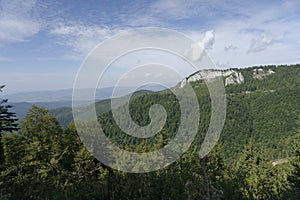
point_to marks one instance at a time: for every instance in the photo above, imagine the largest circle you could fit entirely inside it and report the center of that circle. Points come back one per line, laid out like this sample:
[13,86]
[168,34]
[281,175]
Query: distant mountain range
[23,101]
[21,108]
[66,94]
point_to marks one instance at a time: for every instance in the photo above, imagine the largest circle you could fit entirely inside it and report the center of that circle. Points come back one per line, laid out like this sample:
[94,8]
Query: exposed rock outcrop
[261,73]
[234,78]
[280,161]
[231,76]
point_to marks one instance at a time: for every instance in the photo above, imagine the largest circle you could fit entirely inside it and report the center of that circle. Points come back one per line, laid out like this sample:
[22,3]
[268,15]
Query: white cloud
[271,33]
[260,44]
[173,8]
[16,21]
[206,43]
[208,40]
[187,9]
[81,38]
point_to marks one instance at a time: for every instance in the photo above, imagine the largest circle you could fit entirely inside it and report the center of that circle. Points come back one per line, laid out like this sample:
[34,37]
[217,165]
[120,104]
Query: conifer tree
[7,121]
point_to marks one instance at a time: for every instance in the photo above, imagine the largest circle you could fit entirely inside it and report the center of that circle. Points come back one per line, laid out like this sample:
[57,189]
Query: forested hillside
[257,156]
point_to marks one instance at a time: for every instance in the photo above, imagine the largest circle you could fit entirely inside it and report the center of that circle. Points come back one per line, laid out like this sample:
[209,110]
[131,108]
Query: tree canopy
[45,161]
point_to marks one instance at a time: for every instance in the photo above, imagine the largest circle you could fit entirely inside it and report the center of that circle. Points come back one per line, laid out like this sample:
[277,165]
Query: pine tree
[294,178]
[246,173]
[7,121]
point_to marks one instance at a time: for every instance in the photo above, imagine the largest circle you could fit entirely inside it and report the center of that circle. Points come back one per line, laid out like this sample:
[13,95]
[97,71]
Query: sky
[44,42]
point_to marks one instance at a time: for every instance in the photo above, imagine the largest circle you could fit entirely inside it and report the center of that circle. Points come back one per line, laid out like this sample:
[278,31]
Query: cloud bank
[16,21]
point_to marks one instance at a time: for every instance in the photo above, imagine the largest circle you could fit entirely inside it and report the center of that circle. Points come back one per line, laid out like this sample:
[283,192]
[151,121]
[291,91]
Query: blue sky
[43,42]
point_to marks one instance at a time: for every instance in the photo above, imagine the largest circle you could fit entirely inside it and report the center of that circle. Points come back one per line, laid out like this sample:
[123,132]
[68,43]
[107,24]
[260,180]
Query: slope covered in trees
[45,161]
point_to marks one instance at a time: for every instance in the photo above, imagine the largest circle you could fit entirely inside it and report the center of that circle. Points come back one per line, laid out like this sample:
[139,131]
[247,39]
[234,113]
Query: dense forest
[257,156]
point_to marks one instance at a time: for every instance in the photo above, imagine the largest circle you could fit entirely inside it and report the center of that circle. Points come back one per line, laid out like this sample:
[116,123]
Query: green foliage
[8,121]
[46,162]
[256,178]
[294,177]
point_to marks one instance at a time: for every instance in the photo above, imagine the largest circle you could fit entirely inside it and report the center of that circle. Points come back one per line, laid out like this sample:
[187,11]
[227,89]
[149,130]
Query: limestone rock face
[234,78]
[231,76]
[261,73]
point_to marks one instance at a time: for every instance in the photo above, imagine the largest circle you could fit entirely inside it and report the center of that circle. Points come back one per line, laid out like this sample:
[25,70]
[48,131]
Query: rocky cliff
[231,76]
[261,73]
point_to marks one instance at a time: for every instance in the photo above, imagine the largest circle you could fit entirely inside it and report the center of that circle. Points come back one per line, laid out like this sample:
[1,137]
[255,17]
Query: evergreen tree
[7,121]
[246,174]
[295,176]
